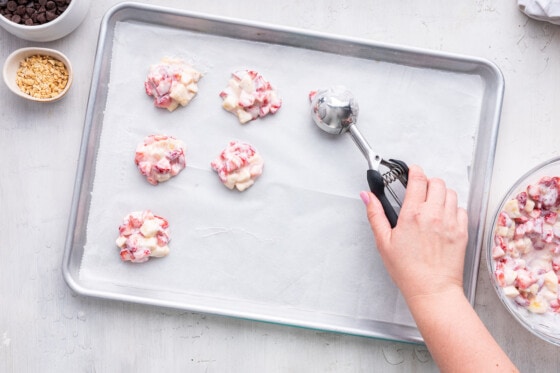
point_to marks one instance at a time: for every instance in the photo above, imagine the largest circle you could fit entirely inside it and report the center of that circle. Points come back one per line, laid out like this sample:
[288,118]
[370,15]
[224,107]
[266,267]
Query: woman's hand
[424,253]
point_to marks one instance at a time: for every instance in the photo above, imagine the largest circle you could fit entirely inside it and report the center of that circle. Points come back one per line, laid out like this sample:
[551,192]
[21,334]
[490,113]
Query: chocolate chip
[16,18]
[42,2]
[50,16]
[12,5]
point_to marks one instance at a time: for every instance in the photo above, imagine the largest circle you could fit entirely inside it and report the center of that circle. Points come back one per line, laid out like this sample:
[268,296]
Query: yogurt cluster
[526,249]
[172,83]
[160,157]
[238,165]
[249,96]
[142,235]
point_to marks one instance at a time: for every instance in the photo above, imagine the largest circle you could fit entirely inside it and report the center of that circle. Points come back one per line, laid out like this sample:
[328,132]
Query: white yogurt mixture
[172,83]
[142,235]
[249,96]
[238,165]
[160,157]
[526,249]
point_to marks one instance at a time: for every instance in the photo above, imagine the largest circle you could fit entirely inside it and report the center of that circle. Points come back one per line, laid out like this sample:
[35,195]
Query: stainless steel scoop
[335,111]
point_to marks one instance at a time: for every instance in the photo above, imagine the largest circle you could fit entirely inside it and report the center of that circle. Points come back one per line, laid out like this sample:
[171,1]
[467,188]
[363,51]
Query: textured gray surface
[45,327]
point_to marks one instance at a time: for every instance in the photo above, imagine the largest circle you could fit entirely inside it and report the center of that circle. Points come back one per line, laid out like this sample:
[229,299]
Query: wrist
[435,298]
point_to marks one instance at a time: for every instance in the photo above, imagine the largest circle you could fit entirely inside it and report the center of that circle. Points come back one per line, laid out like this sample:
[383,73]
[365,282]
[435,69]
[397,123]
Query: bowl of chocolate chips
[42,20]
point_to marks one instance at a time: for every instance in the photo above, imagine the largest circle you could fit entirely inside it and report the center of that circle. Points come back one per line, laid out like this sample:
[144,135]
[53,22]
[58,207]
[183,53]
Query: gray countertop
[46,327]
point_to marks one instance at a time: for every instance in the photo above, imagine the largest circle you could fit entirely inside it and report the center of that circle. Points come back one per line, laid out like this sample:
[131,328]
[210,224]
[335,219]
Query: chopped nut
[42,76]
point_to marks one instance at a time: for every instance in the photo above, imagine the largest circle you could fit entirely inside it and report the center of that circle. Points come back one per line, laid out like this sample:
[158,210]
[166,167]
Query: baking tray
[298,250]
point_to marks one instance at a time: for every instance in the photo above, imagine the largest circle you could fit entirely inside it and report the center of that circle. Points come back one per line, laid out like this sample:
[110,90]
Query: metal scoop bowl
[334,110]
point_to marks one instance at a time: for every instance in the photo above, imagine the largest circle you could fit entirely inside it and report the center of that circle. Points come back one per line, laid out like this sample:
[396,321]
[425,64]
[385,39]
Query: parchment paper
[299,237]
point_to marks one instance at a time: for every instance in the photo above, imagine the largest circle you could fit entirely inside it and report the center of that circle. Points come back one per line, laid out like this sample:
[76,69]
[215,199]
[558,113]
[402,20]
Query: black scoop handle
[377,187]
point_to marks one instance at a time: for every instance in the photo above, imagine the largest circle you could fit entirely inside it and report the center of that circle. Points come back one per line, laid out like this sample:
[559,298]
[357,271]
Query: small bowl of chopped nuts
[42,20]
[38,74]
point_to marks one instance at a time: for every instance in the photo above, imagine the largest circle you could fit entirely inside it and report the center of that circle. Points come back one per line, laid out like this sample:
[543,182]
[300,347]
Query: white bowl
[64,24]
[12,64]
[546,326]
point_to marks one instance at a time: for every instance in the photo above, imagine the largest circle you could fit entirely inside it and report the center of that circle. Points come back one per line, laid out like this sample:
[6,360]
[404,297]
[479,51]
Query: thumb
[378,221]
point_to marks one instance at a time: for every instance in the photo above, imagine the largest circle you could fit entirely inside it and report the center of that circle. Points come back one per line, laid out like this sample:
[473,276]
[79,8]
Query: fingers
[437,192]
[376,215]
[454,215]
[422,194]
[420,189]
[451,204]
[431,194]
[416,188]
[463,221]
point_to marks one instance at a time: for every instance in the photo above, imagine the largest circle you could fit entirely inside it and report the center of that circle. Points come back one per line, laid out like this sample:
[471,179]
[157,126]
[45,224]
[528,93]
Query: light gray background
[44,326]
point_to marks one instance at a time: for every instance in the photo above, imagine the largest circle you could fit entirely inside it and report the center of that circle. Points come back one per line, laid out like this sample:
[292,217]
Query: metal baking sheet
[295,248]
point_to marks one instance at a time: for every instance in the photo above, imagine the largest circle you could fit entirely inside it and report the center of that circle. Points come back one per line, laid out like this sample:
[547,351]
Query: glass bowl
[522,298]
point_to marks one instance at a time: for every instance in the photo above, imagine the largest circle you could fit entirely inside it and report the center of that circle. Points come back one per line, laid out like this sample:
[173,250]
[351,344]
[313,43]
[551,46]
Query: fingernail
[365,197]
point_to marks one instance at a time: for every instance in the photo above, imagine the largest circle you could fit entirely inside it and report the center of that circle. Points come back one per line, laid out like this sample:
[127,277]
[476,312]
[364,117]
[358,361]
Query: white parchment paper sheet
[299,237]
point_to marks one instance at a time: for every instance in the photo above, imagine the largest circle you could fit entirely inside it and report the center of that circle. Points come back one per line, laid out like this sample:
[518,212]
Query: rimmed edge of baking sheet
[480,175]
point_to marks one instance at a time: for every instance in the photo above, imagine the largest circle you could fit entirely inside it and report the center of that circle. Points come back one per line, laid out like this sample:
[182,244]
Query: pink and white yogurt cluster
[160,157]
[142,235]
[238,165]
[249,96]
[172,82]
[526,249]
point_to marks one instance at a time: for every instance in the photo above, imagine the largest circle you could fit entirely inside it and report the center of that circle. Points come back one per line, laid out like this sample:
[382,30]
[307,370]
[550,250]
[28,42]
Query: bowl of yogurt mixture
[523,250]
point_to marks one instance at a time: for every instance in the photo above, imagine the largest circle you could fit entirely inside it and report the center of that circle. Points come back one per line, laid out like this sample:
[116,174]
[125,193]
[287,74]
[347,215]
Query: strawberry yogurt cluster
[249,96]
[526,249]
[160,157]
[238,165]
[142,235]
[172,83]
